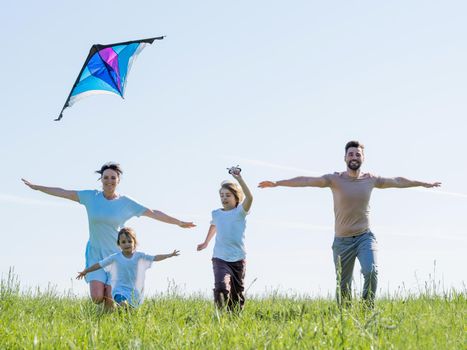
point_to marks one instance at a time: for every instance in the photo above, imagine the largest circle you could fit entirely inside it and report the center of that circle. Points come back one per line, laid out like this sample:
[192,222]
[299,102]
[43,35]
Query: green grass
[47,320]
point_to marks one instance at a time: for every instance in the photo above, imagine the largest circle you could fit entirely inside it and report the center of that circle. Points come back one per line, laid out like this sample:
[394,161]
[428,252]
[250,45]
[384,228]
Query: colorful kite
[105,70]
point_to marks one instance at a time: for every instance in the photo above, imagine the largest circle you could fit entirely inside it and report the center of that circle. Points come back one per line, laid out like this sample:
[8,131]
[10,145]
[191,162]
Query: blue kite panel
[102,70]
[123,58]
[93,83]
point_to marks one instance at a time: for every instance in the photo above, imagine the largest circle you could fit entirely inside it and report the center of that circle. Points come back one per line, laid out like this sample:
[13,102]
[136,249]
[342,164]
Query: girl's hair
[110,165]
[129,233]
[235,189]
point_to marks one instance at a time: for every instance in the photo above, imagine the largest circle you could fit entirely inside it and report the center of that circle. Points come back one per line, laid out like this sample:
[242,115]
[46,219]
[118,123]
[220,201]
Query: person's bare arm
[301,181]
[54,191]
[92,268]
[248,196]
[402,182]
[160,216]
[161,257]
[211,233]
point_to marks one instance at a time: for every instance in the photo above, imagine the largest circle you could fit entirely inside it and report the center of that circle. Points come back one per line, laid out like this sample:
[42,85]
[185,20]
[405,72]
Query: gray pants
[346,249]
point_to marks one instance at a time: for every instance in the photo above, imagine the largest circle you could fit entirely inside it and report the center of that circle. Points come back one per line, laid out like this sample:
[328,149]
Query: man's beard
[354,165]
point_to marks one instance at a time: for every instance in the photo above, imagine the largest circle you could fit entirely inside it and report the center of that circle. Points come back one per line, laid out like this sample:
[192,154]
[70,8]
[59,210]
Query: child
[229,250]
[127,269]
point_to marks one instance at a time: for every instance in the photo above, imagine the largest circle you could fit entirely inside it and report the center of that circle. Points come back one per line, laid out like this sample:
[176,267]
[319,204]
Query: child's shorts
[119,298]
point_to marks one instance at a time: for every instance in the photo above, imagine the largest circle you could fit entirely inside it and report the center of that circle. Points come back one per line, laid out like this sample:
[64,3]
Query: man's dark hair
[355,144]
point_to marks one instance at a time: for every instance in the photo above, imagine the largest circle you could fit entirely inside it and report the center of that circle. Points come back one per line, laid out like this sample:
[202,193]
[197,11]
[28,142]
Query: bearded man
[351,190]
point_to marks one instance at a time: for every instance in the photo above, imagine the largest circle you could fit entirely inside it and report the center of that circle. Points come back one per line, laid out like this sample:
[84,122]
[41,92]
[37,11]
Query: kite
[105,70]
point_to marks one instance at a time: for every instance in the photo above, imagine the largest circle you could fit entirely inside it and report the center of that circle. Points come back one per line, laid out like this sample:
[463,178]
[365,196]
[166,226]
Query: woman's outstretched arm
[158,215]
[53,191]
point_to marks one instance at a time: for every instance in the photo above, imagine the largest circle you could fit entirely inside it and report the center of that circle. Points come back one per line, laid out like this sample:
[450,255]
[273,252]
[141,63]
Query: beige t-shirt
[352,201]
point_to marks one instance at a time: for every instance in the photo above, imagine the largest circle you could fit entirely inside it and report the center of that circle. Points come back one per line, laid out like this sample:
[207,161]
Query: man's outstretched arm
[301,181]
[402,182]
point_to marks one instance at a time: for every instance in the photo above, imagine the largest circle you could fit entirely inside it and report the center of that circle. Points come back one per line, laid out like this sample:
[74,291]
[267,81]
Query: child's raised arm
[211,233]
[248,196]
[161,257]
[92,268]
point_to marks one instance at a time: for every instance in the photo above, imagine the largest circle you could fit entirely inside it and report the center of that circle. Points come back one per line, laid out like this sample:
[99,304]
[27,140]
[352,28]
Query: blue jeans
[346,249]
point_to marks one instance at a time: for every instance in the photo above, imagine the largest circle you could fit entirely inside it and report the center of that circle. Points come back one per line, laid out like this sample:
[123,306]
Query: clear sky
[276,87]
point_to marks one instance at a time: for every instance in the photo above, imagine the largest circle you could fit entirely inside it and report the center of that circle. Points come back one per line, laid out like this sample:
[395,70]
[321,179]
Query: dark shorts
[119,298]
[229,283]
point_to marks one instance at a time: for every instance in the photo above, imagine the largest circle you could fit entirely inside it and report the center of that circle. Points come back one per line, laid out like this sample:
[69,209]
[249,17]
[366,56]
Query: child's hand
[175,253]
[81,275]
[235,171]
[201,246]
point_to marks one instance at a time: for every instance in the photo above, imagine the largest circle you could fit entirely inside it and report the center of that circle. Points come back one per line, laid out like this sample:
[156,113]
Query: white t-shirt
[127,274]
[230,236]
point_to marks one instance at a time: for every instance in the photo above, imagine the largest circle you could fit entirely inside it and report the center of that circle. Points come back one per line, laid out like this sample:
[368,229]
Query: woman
[107,213]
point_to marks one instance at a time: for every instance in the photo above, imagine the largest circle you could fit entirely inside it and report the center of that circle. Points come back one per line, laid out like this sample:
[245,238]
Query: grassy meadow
[47,320]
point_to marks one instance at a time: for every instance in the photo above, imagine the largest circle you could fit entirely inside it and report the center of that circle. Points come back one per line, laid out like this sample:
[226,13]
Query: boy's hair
[110,165]
[235,189]
[355,144]
[129,233]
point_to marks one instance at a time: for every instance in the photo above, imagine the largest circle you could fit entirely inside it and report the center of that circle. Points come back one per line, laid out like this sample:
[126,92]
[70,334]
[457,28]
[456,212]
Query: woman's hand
[185,224]
[54,191]
[30,185]
[201,246]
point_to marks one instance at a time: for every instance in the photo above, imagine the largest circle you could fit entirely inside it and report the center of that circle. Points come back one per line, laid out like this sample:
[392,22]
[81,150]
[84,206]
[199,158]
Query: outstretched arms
[158,215]
[161,257]
[211,233]
[402,182]
[301,181]
[92,268]
[53,191]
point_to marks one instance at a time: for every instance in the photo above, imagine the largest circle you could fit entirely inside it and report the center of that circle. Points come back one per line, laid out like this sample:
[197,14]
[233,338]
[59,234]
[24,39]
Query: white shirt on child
[127,274]
[230,236]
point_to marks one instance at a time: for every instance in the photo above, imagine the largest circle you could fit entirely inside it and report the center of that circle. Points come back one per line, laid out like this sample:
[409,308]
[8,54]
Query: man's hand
[431,185]
[266,184]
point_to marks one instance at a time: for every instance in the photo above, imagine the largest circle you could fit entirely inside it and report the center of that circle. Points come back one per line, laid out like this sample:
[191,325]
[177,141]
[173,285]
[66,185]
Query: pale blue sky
[276,87]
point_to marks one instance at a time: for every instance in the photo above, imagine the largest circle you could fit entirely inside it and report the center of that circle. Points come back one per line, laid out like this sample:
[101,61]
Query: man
[351,192]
